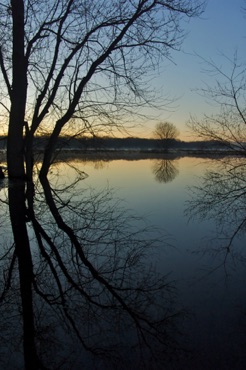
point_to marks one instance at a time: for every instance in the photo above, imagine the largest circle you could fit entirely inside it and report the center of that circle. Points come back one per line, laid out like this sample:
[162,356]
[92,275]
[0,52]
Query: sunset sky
[220,30]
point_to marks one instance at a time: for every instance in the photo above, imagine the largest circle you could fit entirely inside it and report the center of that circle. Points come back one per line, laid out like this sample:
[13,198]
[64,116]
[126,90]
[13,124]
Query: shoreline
[107,155]
[91,154]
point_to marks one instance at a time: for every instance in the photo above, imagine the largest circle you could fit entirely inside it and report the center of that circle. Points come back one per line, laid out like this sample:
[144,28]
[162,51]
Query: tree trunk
[29,160]
[17,211]
[15,143]
[49,150]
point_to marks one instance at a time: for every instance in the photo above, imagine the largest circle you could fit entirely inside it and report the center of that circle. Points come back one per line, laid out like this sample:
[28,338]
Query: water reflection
[221,196]
[165,170]
[77,286]
[220,200]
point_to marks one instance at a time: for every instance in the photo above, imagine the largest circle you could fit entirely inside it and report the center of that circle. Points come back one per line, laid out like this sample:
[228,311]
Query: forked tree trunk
[15,143]
[49,150]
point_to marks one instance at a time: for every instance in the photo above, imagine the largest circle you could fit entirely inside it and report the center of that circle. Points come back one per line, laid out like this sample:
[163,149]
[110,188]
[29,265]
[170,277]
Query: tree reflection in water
[78,287]
[165,170]
[222,198]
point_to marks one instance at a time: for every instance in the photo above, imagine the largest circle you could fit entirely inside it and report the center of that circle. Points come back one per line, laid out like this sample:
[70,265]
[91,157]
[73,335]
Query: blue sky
[220,29]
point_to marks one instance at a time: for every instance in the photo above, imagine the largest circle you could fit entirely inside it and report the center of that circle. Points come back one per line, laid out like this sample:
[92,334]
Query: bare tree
[74,62]
[228,93]
[165,131]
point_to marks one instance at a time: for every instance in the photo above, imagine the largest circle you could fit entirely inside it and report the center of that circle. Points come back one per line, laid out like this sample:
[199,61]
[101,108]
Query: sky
[221,29]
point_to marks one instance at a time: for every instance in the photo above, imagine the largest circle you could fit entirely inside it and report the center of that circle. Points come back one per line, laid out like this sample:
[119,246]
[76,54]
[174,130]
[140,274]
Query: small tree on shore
[166,132]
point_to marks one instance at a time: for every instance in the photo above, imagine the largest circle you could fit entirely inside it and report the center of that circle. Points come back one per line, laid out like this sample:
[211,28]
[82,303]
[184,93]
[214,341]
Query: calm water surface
[196,247]
[210,282]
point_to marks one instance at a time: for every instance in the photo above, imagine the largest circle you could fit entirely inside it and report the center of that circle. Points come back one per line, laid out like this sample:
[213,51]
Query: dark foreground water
[135,264]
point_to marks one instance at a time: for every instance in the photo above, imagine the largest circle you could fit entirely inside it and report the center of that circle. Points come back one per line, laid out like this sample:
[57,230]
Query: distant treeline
[129,143]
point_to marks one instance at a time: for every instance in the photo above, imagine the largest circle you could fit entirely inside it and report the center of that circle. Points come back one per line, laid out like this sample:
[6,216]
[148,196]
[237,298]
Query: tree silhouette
[79,66]
[166,132]
[228,93]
